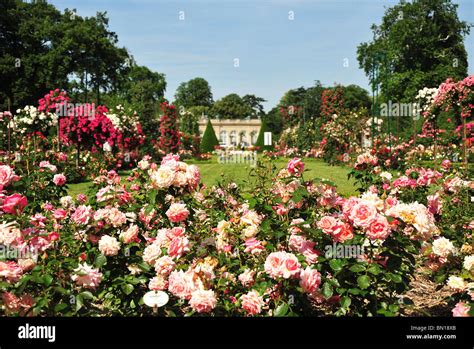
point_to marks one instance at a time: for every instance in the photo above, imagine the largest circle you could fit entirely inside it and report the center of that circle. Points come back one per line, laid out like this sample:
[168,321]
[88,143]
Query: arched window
[243,137]
[253,137]
[223,137]
[233,138]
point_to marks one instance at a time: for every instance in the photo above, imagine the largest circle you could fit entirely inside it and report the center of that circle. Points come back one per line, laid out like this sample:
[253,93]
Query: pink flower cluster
[295,167]
[282,265]
[174,173]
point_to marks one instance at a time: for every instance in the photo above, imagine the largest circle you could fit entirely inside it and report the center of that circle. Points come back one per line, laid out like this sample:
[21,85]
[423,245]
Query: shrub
[209,139]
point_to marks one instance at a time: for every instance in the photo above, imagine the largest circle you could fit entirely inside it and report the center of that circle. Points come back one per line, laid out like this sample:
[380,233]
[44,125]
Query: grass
[212,172]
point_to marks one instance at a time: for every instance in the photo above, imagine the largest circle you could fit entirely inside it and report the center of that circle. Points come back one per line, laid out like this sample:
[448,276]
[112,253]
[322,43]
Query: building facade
[233,132]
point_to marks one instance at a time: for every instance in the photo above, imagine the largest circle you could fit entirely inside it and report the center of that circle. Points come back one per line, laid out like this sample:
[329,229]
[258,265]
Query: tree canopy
[195,92]
[418,44]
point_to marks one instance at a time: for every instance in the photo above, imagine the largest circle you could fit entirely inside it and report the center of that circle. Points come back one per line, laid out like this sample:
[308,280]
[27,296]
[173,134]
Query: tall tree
[355,97]
[42,48]
[29,61]
[231,106]
[418,44]
[195,92]
[255,104]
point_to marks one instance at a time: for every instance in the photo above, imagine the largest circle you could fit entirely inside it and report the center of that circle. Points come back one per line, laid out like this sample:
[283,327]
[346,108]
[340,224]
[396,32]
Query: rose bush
[294,248]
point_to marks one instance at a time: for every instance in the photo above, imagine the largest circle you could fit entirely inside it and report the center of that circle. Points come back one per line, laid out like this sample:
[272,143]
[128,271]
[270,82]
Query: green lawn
[212,172]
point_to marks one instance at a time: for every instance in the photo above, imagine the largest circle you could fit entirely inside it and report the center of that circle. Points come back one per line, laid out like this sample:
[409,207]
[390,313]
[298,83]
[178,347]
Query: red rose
[14,204]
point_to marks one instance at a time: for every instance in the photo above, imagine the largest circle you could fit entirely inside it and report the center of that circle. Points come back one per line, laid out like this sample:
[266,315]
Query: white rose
[443,247]
[456,283]
[468,262]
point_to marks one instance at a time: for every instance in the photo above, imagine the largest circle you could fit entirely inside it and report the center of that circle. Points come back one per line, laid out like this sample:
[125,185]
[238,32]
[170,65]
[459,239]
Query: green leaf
[152,196]
[357,268]
[327,290]
[393,308]
[47,279]
[79,302]
[87,295]
[281,310]
[354,291]
[59,307]
[345,302]
[363,281]
[127,288]
[335,264]
[100,260]
[61,290]
[395,278]
[374,269]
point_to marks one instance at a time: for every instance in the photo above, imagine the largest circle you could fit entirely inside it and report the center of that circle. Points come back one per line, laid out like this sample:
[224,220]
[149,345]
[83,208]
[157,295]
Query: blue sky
[274,53]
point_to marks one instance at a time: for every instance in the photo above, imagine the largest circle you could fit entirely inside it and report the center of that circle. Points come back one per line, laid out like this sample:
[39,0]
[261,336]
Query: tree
[209,139]
[141,90]
[260,143]
[42,48]
[255,104]
[355,97]
[302,103]
[274,121]
[29,62]
[98,64]
[418,44]
[195,92]
[231,106]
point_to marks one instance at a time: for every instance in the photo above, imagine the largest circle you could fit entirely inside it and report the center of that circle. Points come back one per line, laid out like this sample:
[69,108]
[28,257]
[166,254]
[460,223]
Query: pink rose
[327,224]
[59,179]
[282,264]
[193,176]
[342,232]
[461,310]
[7,176]
[175,232]
[446,164]
[252,303]
[434,204]
[158,283]
[59,214]
[178,247]
[203,301]
[309,253]
[379,229]
[82,214]
[310,280]
[130,235]
[14,204]
[362,214]
[164,265]
[109,246]
[81,198]
[177,213]
[296,242]
[180,284]
[253,246]
[87,276]
[247,278]
[295,166]
[11,271]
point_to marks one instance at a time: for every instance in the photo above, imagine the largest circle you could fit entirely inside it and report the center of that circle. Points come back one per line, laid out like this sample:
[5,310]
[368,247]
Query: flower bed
[295,248]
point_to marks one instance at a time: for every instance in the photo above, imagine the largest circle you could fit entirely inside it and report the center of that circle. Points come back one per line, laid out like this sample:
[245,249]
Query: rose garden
[348,212]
